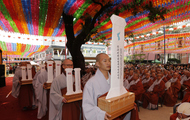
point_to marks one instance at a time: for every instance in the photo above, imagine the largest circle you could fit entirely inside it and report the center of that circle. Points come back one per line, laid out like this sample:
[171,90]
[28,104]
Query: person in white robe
[56,98]
[96,86]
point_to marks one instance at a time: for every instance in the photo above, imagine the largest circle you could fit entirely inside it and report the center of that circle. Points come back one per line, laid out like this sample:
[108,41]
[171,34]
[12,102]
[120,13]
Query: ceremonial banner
[117,57]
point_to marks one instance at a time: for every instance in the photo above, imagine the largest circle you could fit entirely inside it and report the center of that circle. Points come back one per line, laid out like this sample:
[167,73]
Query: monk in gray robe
[96,86]
[42,95]
[59,109]
[24,93]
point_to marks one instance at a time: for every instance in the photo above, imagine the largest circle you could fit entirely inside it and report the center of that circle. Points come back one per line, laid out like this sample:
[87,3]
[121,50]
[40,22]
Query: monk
[153,76]
[147,82]
[24,93]
[42,94]
[59,108]
[171,94]
[96,86]
[186,82]
[150,98]
[167,76]
[136,86]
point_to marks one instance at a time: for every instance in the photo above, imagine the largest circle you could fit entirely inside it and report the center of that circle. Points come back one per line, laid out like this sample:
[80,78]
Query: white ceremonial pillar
[77,81]
[42,67]
[57,68]
[29,70]
[23,72]
[50,71]
[69,81]
[117,57]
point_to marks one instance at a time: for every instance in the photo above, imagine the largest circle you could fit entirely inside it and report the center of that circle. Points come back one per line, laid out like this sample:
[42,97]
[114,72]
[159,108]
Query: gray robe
[94,88]
[41,94]
[55,102]
[35,102]
[16,85]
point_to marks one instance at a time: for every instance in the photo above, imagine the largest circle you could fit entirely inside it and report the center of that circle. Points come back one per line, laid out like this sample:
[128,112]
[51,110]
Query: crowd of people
[151,83]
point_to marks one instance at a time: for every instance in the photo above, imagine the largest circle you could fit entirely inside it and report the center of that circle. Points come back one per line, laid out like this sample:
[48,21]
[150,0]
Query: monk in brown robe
[147,82]
[187,82]
[167,75]
[136,86]
[153,76]
[151,96]
[171,94]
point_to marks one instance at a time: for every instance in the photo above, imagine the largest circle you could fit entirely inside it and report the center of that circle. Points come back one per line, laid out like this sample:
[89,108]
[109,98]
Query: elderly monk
[96,86]
[23,92]
[136,86]
[172,89]
[59,108]
[150,98]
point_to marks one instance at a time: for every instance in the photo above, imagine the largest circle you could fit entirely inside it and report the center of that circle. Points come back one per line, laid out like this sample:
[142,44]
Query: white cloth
[184,78]
[146,80]
[183,119]
[55,102]
[156,82]
[16,85]
[125,83]
[130,77]
[133,82]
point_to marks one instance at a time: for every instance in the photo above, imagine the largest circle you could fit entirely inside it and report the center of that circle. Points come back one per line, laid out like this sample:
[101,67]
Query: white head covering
[184,108]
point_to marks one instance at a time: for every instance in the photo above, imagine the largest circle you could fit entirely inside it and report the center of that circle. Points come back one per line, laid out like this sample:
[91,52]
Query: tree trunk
[77,56]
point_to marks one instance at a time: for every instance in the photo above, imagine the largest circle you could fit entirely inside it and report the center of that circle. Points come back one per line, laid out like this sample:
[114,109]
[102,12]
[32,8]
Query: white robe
[16,86]
[94,88]
[41,94]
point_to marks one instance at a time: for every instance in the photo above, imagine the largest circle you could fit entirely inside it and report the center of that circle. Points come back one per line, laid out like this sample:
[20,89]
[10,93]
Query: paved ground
[163,113]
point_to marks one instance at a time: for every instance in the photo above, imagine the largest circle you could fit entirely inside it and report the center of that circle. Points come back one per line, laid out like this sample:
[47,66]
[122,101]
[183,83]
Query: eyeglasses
[69,65]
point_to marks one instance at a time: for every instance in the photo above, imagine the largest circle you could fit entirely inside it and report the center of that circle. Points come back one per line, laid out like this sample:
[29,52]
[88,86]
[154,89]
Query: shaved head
[67,63]
[99,56]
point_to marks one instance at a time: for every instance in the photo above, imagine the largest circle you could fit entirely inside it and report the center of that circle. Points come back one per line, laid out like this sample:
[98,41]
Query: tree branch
[97,3]
[68,20]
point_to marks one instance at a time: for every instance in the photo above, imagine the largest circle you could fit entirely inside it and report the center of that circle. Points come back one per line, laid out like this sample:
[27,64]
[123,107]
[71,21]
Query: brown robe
[71,111]
[152,97]
[147,85]
[165,79]
[171,94]
[26,93]
[187,85]
[137,89]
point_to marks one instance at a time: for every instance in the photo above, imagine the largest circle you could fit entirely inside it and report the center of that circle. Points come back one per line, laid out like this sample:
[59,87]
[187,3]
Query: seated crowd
[152,84]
